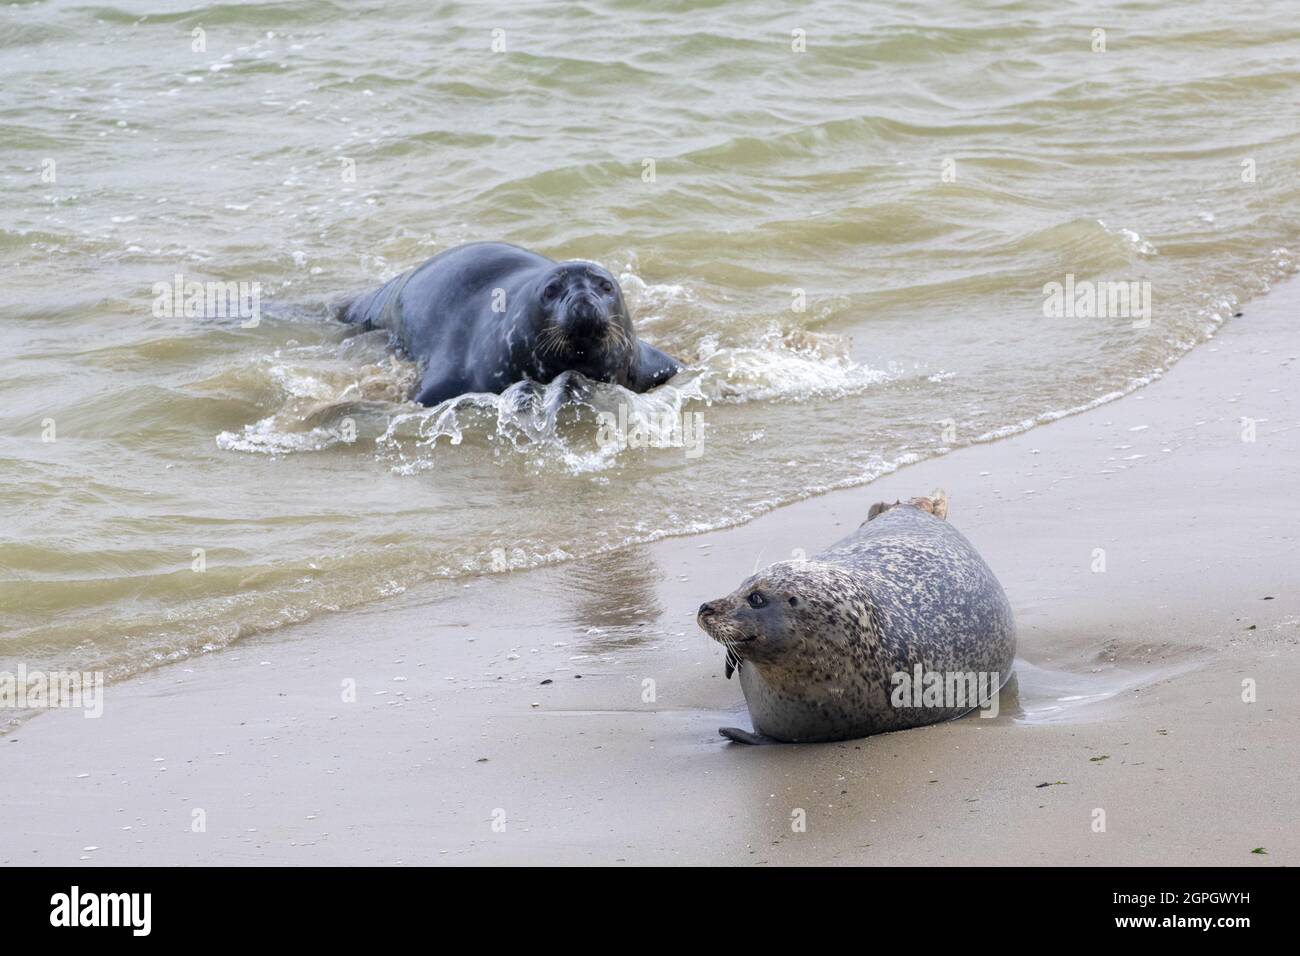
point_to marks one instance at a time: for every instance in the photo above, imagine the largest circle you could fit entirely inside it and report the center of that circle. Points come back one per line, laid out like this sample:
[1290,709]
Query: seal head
[789,609]
[580,323]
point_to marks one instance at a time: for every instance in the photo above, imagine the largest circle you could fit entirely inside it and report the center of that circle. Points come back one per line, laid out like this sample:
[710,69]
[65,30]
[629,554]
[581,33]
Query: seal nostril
[583,310]
[707,610]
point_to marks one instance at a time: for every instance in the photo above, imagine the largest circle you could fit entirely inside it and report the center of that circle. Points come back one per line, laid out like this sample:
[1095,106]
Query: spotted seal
[899,624]
[482,316]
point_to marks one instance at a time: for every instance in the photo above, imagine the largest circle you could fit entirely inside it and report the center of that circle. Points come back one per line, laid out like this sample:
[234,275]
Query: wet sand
[1128,699]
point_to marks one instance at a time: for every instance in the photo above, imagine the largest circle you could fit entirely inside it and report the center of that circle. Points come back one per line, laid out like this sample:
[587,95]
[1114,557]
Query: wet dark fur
[480,317]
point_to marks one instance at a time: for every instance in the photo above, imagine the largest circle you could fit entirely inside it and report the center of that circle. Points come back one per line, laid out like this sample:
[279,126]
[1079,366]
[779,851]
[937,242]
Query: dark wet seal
[480,317]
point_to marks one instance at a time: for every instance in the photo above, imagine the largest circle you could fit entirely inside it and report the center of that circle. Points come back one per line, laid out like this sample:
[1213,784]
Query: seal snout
[584,316]
[709,618]
[716,621]
[585,306]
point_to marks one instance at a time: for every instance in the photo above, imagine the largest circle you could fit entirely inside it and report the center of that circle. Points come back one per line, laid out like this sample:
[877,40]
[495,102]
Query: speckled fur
[906,588]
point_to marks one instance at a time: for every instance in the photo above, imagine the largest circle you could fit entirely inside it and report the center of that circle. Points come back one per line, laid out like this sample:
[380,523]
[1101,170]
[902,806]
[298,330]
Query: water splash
[354,393]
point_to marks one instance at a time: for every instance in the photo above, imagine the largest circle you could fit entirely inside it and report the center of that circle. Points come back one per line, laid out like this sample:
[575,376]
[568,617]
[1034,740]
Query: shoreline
[1127,697]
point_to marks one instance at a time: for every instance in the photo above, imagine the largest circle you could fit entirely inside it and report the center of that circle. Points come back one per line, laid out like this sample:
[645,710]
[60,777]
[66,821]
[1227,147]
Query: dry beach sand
[1128,697]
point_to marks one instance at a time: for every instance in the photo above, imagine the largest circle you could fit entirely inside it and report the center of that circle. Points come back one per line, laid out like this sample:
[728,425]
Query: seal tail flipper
[738,736]
[936,504]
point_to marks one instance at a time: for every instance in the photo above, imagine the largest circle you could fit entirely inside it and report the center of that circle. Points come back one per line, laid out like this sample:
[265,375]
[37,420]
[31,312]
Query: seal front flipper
[438,385]
[738,736]
[652,368]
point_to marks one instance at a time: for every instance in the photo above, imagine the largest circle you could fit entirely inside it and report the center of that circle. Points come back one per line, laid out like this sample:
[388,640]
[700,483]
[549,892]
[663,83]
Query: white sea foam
[1140,245]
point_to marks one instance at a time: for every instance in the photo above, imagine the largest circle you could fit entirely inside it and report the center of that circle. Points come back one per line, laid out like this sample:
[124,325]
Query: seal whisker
[552,340]
[615,333]
[625,338]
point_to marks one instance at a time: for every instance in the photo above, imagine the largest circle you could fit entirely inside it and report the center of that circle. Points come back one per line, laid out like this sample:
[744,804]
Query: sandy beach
[509,720]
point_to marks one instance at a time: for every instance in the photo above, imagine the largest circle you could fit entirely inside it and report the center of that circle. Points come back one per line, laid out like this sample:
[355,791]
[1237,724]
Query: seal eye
[756,599]
[794,602]
[605,286]
[552,290]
